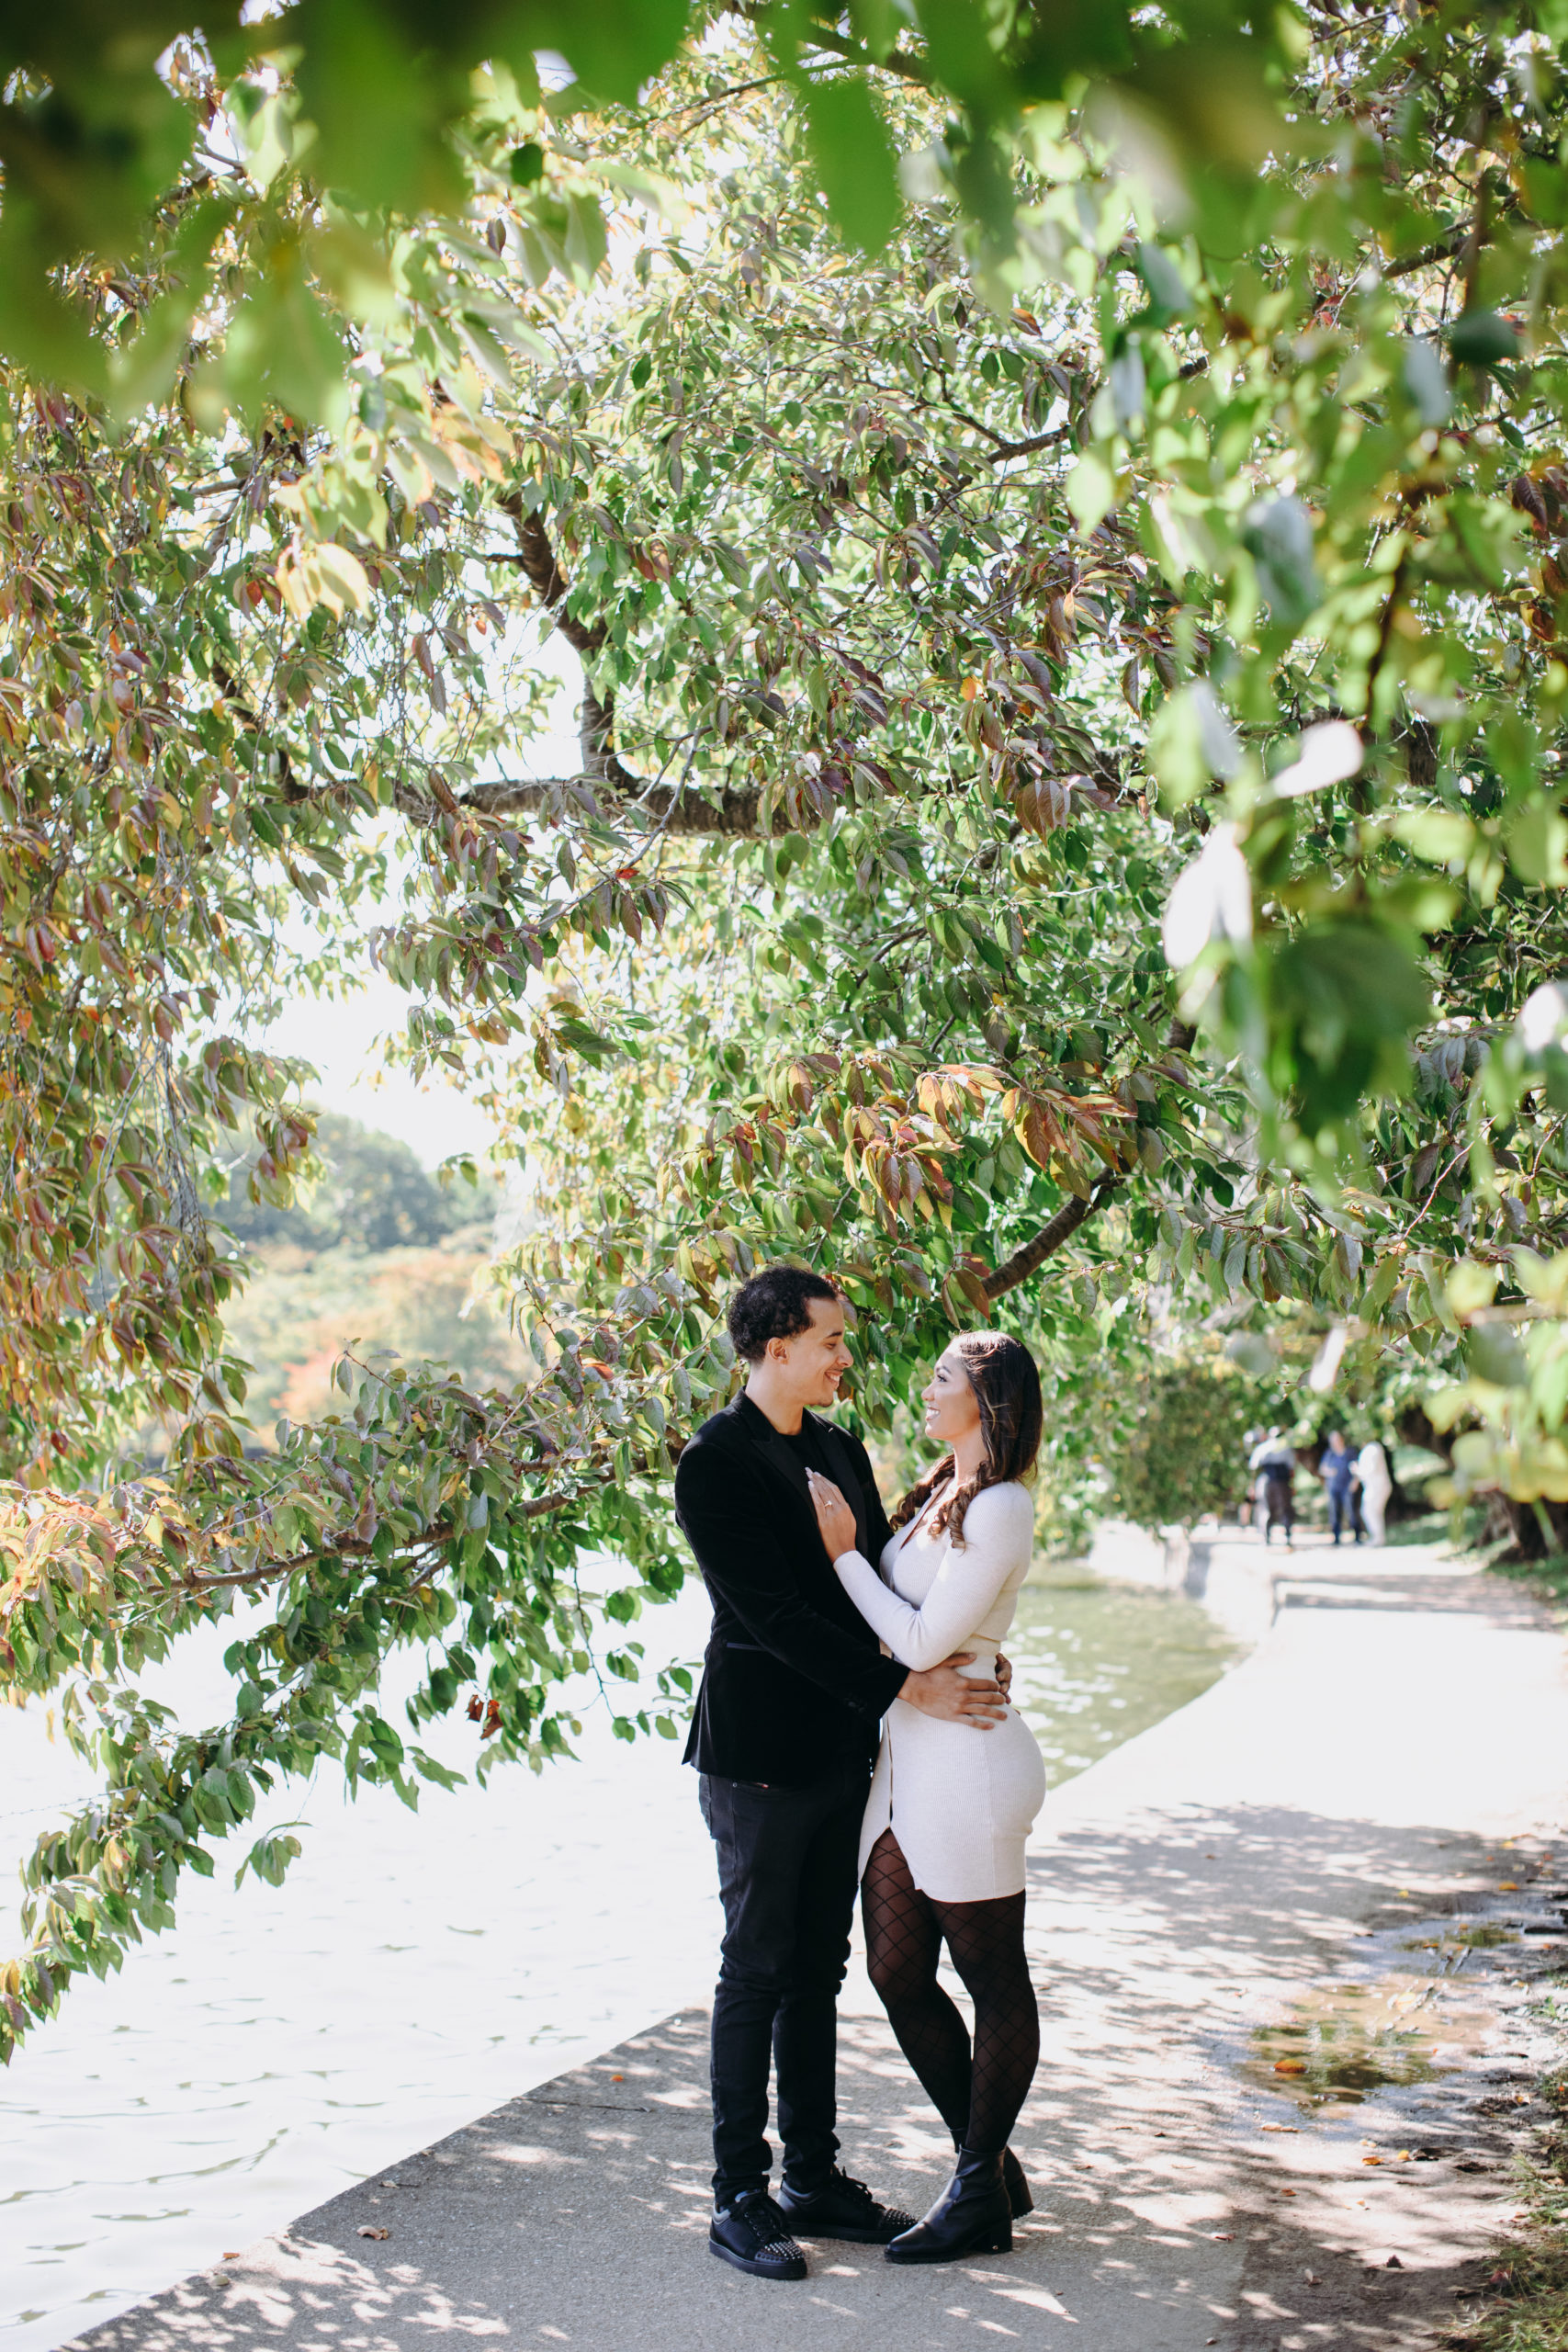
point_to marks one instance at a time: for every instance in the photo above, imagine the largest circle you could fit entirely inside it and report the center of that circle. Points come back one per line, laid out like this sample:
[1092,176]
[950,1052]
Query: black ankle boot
[1019,2201]
[972,2216]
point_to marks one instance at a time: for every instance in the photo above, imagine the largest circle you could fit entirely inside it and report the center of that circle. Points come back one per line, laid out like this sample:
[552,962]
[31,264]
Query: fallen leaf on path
[1280,2127]
[366,2231]
[1371,2160]
[1311,2278]
[1224,2236]
[1287,2192]
[233,2254]
[1289,2065]
[1508,1886]
[1393,2262]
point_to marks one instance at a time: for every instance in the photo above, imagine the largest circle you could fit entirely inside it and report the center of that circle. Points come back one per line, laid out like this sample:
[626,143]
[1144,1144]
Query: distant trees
[1182,1450]
[368,1191]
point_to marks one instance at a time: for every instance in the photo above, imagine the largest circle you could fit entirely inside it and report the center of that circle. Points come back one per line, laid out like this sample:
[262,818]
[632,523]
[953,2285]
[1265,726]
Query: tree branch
[674,811]
[233,694]
[1441,249]
[1005,449]
[678,814]
[897,61]
[1027,1260]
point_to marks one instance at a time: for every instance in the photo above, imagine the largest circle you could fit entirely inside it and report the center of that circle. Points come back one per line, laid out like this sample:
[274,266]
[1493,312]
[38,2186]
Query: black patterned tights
[977,2097]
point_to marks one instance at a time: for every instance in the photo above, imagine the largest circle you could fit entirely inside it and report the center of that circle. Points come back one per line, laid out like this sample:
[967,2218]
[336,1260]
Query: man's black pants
[786,1873]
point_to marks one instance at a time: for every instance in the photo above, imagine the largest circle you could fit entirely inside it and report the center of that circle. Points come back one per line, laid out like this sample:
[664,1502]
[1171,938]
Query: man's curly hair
[774,1304]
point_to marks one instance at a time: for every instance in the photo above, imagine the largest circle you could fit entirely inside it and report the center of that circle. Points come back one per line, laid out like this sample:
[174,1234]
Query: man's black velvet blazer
[794,1679]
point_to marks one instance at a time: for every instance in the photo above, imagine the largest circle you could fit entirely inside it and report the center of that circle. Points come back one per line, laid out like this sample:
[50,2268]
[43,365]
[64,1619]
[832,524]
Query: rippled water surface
[414,1970]
[1098,1663]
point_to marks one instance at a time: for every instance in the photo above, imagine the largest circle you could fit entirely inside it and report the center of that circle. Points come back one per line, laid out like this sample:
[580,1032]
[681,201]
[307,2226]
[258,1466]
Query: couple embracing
[851,1730]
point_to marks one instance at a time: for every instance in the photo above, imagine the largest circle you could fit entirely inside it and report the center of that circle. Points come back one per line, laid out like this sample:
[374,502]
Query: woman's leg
[986,1940]
[903,1944]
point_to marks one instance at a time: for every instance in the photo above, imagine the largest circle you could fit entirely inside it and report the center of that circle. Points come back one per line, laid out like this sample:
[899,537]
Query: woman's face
[951,1412]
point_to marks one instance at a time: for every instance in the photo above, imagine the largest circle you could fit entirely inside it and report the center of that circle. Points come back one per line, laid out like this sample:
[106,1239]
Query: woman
[951,1806]
[1377,1485]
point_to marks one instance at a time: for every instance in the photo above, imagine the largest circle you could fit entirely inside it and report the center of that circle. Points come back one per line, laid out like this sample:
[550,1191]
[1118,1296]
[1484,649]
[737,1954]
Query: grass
[1527,2286]
[1548,1576]
[1533,2317]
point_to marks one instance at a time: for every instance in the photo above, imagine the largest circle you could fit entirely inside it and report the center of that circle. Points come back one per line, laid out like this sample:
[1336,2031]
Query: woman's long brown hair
[1006,1382]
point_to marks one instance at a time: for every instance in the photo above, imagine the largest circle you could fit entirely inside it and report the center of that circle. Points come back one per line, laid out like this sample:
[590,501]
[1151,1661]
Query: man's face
[817,1360]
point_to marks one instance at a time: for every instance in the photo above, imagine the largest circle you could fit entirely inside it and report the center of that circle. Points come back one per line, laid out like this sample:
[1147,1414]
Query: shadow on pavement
[1182,2201]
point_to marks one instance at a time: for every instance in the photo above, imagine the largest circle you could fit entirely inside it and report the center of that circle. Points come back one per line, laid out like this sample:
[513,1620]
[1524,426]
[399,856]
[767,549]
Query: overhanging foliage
[1068,797]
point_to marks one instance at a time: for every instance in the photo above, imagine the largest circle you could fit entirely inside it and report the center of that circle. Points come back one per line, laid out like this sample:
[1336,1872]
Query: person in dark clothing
[1273,1467]
[1337,1471]
[783,1736]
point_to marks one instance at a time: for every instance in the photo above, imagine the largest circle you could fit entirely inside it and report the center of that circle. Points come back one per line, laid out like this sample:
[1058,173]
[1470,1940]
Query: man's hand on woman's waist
[951,1697]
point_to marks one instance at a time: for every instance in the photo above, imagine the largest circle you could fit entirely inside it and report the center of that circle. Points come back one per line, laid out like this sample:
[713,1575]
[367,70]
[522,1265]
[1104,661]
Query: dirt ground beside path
[1306,1867]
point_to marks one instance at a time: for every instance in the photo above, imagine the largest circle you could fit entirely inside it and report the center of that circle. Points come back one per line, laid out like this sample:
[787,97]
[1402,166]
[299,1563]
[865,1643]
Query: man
[1338,1471]
[784,1737]
[1273,1467]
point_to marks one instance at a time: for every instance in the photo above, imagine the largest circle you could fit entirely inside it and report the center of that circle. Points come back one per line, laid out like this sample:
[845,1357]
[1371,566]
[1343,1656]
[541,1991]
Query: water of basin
[1098,1663]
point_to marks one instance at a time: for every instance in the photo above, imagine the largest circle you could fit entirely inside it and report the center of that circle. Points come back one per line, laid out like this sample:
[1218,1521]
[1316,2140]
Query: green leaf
[1537,841]
[854,157]
[612,46]
[1278,534]
[878,23]
[1483,339]
[378,102]
[1091,490]
[1190,740]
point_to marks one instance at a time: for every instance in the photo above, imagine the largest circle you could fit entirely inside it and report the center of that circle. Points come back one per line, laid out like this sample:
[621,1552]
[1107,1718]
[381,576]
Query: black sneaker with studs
[753,2234]
[842,2207]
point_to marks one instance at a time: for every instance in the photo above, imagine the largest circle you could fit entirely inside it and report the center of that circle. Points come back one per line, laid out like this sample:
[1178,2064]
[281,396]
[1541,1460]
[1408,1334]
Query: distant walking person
[1273,1467]
[1371,1468]
[1338,1470]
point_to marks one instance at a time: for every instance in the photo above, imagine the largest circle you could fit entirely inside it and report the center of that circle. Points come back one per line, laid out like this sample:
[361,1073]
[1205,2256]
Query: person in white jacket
[1372,1469]
[942,1844]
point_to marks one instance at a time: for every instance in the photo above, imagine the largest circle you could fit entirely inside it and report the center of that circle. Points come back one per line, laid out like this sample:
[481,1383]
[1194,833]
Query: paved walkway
[1284,1871]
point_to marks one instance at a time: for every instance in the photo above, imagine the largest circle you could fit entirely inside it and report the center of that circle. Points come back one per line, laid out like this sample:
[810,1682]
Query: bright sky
[341,1038]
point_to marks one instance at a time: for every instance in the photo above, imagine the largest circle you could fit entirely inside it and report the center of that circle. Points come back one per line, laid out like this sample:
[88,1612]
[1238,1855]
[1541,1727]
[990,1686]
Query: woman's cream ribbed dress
[961,1801]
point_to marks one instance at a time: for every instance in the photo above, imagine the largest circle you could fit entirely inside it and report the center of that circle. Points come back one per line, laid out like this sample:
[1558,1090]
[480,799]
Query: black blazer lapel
[778,1453]
[787,1463]
[781,1457]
